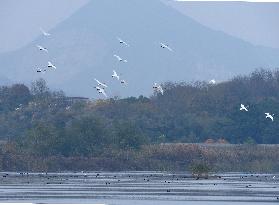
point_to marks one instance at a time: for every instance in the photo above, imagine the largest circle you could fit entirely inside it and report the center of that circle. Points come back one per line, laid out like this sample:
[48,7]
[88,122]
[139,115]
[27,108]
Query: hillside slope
[82,48]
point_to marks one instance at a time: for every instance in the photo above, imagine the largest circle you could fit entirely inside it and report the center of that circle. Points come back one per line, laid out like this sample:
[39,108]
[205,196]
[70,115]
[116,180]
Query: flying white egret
[123,82]
[101,90]
[44,33]
[166,46]
[268,115]
[50,65]
[158,88]
[242,107]
[101,84]
[39,70]
[212,82]
[120,59]
[41,48]
[98,88]
[122,42]
[115,75]
[155,86]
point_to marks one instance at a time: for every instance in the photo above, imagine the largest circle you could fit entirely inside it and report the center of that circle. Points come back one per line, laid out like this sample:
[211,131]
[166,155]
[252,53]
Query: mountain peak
[82,48]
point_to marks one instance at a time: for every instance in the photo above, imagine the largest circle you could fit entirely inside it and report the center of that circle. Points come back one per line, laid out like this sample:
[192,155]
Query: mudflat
[142,188]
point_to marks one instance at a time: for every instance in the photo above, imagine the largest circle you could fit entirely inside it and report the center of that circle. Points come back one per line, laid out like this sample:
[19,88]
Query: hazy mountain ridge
[82,48]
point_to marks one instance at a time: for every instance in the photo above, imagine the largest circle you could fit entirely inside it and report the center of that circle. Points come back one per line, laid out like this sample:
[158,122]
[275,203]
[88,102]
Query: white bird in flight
[41,48]
[122,42]
[212,82]
[120,59]
[98,88]
[158,88]
[101,90]
[44,33]
[50,65]
[268,115]
[166,46]
[115,75]
[155,86]
[39,70]
[101,84]
[123,82]
[242,107]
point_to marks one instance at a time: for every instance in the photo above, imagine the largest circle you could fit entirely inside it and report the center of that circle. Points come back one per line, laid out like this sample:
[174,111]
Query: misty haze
[139,101]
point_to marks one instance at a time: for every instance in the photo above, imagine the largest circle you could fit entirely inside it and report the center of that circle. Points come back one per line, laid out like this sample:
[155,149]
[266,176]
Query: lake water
[139,188]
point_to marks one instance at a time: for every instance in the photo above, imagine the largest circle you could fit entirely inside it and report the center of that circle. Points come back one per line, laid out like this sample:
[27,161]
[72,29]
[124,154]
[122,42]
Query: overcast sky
[255,22]
[20,20]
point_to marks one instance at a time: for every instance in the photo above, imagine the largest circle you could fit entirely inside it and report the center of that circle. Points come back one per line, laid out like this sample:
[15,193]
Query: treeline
[45,123]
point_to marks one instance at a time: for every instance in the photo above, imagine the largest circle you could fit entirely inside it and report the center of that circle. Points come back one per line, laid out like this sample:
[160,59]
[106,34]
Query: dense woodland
[39,122]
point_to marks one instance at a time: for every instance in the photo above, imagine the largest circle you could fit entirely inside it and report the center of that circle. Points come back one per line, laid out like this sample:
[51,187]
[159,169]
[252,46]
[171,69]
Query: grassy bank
[160,157]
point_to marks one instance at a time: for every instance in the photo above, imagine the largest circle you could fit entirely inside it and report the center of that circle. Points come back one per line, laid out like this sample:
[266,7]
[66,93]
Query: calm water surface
[139,188]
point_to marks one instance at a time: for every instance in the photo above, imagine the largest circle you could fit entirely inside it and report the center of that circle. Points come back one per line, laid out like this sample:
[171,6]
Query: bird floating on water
[268,115]
[19,107]
[242,107]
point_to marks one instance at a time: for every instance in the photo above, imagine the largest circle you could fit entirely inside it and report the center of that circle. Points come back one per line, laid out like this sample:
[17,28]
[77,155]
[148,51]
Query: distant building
[209,141]
[222,141]
[219,141]
[73,100]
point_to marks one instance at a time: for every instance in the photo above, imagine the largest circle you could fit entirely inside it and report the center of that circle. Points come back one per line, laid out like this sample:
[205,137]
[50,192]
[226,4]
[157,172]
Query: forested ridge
[43,123]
